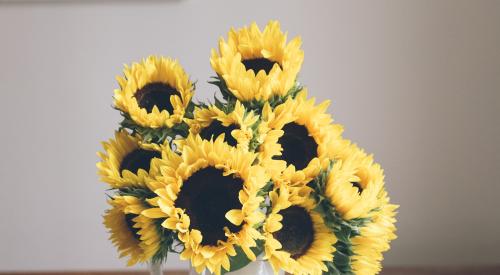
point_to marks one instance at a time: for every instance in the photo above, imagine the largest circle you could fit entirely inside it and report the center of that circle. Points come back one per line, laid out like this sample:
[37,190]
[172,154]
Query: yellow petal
[235,216]
[154,213]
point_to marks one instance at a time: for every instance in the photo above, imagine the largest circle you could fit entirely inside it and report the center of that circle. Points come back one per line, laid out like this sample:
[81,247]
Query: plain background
[415,82]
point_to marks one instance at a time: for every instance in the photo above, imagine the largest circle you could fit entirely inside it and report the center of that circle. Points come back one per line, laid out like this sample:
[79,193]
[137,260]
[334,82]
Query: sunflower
[126,161]
[354,184]
[210,200]
[154,93]
[306,137]
[236,126]
[374,239]
[296,237]
[134,235]
[255,64]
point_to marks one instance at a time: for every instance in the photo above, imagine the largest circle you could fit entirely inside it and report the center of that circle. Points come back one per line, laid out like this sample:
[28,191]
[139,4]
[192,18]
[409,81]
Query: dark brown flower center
[358,185]
[216,128]
[207,196]
[129,220]
[258,64]
[156,94]
[297,234]
[138,159]
[298,147]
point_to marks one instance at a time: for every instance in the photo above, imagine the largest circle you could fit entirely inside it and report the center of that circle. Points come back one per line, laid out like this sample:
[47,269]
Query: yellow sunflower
[255,64]
[154,93]
[306,137]
[354,184]
[296,237]
[125,161]
[236,126]
[134,235]
[210,199]
[374,239]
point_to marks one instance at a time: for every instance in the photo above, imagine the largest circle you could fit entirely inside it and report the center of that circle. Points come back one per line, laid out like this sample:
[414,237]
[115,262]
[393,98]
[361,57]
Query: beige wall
[417,83]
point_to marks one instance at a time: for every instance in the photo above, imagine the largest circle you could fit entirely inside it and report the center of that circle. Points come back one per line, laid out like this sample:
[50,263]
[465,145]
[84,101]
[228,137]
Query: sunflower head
[210,199]
[134,235]
[306,135]
[354,184]
[296,238]
[256,65]
[374,238]
[236,125]
[126,161]
[154,93]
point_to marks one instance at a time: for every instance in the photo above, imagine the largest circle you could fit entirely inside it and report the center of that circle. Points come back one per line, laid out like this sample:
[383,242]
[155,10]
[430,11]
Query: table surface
[492,270]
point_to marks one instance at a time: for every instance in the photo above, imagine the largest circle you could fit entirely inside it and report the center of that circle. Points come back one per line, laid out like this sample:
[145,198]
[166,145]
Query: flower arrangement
[262,170]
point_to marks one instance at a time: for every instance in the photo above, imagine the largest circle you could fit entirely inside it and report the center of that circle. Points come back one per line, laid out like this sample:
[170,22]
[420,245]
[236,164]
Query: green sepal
[154,135]
[140,193]
[332,270]
[166,242]
[342,257]
[255,142]
[224,90]
[188,113]
[266,189]
[292,93]
[255,105]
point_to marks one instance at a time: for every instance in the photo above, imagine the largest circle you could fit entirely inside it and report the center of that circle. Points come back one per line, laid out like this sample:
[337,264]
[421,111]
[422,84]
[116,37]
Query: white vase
[258,267]
[155,269]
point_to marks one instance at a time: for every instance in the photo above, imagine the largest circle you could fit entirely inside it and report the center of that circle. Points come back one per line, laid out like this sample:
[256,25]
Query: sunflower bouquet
[262,172]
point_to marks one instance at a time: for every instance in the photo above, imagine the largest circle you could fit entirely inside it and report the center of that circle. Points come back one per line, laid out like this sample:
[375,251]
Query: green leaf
[241,260]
